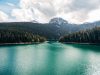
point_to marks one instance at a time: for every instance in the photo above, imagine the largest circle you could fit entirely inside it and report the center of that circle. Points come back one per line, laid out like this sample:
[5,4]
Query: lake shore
[30,43]
[81,43]
[22,43]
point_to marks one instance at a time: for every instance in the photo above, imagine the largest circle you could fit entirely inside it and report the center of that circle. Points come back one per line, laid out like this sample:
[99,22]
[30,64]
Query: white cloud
[3,17]
[22,14]
[94,15]
[75,11]
[10,4]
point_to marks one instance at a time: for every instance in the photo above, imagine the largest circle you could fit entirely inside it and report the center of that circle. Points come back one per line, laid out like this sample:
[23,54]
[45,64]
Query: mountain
[62,26]
[34,21]
[56,28]
[58,21]
[45,30]
[89,25]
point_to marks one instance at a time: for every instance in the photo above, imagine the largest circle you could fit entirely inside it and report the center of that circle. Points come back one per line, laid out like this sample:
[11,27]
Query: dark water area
[50,59]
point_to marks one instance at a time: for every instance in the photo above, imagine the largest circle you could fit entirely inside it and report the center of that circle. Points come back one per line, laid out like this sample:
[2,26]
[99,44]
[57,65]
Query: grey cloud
[86,5]
[81,8]
[45,8]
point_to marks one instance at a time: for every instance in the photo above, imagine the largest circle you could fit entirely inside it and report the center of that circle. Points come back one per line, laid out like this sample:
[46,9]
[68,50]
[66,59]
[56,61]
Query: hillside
[53,30]
[88,36]
[16,36]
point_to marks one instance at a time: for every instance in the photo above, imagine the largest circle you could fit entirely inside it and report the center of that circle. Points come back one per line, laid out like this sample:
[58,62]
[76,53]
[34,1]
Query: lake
[50,59]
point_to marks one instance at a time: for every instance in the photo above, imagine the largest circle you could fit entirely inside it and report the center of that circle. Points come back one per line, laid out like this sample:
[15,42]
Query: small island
[90,36]
[19,37]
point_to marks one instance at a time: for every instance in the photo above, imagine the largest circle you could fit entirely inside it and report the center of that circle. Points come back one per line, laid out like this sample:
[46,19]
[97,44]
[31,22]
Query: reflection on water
[50,59]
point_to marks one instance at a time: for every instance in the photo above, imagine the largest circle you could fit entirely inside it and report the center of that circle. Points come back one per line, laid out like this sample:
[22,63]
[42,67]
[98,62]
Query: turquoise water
[50,59]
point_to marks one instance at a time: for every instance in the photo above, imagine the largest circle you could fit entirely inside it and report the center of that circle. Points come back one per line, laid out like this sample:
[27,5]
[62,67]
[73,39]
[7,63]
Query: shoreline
[81,43]
[30,43]
[26,43]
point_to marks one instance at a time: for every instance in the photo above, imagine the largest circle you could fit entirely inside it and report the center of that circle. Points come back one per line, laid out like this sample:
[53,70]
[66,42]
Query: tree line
[87,36]
[15,36]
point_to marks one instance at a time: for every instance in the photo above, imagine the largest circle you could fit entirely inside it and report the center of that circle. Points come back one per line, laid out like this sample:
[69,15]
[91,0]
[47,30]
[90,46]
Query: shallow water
[50,59]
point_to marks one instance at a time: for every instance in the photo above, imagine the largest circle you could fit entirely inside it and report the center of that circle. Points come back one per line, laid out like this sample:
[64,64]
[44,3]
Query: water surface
[50,59]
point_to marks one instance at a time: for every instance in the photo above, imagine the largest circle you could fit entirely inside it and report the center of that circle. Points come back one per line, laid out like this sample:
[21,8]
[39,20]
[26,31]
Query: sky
[74,11]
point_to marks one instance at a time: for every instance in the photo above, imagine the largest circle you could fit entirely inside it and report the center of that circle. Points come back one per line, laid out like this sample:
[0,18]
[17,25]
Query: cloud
[75,11]
[86,5]
[10,4]
[94,15]
[3,17]
[41,10]
[22,14]
[80,10]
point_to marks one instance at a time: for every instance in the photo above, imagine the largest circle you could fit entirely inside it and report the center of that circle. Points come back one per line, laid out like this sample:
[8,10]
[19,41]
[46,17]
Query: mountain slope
[56,28]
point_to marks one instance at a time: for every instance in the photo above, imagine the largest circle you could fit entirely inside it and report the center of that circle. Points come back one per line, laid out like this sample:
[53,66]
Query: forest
[86,36]
[16,36]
